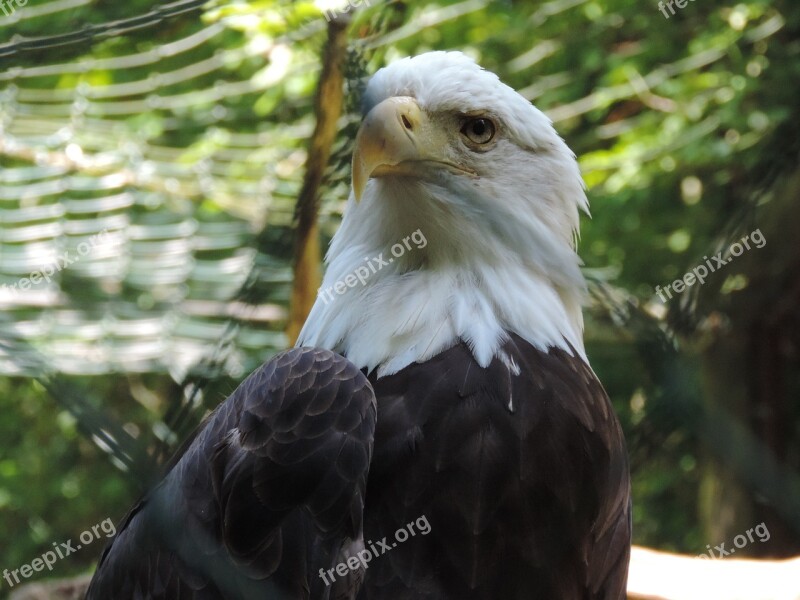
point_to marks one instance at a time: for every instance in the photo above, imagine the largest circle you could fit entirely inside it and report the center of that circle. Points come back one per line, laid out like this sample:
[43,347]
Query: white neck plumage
[413,270]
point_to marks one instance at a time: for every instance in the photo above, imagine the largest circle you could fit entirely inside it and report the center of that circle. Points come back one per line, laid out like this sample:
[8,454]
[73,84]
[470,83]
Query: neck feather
[409,276]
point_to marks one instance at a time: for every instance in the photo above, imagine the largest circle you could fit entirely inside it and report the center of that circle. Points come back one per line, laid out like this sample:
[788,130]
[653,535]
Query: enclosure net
[142,154]
[135,175]
[151,156]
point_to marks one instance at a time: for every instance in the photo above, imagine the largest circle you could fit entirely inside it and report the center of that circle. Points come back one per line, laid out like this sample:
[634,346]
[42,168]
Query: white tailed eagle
[446,388]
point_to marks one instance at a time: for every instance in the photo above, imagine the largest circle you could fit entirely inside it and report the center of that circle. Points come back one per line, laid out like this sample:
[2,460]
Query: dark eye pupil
[478,130]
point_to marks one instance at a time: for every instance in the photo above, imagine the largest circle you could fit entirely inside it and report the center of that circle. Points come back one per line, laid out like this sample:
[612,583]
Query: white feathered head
[446,148]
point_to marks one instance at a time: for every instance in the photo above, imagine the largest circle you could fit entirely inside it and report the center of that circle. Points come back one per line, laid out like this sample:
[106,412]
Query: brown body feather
[270,490]
[523,479]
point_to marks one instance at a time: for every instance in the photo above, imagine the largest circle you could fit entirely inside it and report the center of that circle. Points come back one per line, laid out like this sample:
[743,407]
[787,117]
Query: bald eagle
[438,433]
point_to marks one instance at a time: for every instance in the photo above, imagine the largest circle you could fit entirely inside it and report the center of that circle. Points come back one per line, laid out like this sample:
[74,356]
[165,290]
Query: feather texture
[528,502]
[268,492]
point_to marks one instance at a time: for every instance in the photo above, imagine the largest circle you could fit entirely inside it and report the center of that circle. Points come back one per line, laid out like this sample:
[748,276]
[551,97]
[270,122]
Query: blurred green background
[180,130]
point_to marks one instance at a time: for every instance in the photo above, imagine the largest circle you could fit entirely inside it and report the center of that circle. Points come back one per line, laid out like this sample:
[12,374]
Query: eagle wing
[268,492]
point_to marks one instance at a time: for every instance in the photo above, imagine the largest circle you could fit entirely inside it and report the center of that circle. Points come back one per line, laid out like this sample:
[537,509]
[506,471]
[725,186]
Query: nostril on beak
[406,122]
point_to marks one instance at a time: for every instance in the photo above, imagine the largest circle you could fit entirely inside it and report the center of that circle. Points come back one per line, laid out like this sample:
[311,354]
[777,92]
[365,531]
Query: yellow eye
[479,131]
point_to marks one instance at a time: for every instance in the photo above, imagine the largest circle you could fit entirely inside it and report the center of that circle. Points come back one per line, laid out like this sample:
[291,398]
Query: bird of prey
[438,433]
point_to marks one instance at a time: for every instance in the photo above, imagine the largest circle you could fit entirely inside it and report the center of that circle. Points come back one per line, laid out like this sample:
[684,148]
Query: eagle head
[447,150]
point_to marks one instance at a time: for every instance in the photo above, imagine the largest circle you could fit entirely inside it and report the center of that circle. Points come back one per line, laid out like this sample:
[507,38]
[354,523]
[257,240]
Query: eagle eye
[479,130]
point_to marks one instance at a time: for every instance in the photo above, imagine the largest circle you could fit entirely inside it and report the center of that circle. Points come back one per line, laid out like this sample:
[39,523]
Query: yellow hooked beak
[395,134]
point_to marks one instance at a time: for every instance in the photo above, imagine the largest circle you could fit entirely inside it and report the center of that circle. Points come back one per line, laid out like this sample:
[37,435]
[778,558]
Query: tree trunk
[328,109]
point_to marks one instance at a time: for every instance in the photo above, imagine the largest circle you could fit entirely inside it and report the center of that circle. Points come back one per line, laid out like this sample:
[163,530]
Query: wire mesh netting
[177,133]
